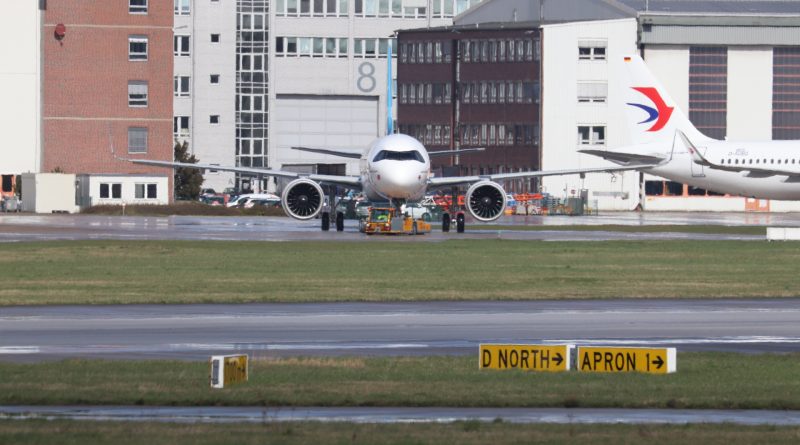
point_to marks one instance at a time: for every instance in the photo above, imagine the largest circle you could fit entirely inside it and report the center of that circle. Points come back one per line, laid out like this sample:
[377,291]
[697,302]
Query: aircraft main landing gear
[460,222]
[326,221]
[445,222]
[339,222]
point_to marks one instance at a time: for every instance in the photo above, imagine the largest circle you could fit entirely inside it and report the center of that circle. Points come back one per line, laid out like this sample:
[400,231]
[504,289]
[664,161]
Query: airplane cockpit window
[412,155]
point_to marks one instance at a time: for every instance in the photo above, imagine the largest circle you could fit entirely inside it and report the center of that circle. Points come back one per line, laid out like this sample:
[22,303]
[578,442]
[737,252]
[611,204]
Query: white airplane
[394,168]
[668,145]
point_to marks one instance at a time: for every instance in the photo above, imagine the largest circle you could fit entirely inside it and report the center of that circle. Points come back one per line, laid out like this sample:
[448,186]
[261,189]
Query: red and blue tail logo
[660,114]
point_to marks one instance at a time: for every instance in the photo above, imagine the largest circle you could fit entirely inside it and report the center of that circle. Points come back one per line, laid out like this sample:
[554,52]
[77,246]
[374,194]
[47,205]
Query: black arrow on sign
[659,362]
[558,359]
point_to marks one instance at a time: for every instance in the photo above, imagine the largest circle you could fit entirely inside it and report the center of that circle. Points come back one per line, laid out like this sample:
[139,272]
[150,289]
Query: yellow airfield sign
[610,359]
[228,369]
[526,357]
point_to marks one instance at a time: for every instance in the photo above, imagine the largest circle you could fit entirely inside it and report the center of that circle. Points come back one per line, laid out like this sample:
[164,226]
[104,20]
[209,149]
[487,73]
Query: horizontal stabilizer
[455,152]
[332,152]
[625,158]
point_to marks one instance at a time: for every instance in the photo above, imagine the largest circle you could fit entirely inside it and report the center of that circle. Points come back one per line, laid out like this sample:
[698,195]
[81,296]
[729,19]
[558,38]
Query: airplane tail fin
[651,113]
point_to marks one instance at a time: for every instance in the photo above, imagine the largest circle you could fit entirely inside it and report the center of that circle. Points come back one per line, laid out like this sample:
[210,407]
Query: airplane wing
[352,182]
[333,152]
[454,152]
[463,180]
[625,158]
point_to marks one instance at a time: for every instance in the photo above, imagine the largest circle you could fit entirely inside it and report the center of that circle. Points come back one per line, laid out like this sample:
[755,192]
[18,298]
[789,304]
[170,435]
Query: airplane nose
[398,182]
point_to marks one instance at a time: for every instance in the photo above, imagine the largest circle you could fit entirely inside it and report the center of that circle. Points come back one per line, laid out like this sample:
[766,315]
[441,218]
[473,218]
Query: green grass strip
[113,272]
[659,228]
[313,433]
[703,380]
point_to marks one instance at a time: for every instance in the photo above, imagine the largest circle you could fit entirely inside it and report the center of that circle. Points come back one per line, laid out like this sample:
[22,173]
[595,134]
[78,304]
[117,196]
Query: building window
[708,90]
[111,191]
[592,50]
[214,38]
[181,46]
[137,6]
[145,191]
[786,93]
[591,135]
[592,92]
[214,79]
[183,7]
[314,8]
[137,93]
[137,47]
[213,119]
[137,140]
[370,48]
[180,126]
[181,86]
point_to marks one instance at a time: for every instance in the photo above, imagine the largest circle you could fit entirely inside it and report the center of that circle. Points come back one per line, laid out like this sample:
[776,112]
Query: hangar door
[346,122]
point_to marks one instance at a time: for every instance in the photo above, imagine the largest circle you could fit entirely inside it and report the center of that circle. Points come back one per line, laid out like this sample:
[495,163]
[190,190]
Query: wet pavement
[401,415]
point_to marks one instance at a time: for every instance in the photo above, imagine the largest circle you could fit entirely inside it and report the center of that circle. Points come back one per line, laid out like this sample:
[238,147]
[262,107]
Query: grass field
[111,272]
[470,432]
[703,380]
[656,228]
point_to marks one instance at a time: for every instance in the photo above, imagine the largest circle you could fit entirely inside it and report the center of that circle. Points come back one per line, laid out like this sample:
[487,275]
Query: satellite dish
[60,31]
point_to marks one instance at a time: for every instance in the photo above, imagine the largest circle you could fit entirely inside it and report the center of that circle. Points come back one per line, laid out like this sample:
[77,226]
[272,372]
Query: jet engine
[486,200]
[302,199]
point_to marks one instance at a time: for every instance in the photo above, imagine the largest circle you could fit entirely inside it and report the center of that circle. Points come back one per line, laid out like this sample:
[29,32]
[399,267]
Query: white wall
[562,114]
[749,93]
[48,192]
[211,144]
[20,92]
[128,189]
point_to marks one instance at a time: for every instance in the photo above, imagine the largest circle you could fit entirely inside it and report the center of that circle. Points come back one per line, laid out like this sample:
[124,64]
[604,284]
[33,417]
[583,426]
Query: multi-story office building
[106,81]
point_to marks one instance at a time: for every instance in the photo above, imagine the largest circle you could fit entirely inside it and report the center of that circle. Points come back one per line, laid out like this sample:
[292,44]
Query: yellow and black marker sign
[607,359]
[228,369]
[526,357]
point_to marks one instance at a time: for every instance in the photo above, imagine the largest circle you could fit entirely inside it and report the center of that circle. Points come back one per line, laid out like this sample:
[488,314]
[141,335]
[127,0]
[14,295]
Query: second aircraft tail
[650,112]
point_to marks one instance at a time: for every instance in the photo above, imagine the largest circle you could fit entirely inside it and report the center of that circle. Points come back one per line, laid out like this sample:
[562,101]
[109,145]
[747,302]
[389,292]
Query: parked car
[240,200]
[362,209]
[252,202]
[416,211]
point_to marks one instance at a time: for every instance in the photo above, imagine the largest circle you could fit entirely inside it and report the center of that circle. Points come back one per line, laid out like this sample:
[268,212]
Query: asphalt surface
[194,332]
[27,227]
[401,415]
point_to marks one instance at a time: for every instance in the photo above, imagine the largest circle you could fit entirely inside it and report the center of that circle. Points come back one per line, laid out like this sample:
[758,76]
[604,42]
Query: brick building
[473,87]
[107,82]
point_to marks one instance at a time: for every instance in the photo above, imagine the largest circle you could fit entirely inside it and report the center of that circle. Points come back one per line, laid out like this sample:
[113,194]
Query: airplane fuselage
[395,167]
[780,155]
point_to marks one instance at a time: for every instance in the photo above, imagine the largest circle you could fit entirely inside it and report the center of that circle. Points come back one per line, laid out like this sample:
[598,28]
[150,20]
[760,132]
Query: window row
[428,134]
[592,92]
[332,47]
[251,22]
[181,86]
[591,135]
[311,47]
[499,134]
[386,8]
[426,52]
[425,93]
[670,188]
[491,92]
[311,8]
[450,8]
[113,190]
[757,161]
[502,50]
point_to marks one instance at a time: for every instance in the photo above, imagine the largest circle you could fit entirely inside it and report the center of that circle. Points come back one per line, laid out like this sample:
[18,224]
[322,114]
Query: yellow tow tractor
[382,220]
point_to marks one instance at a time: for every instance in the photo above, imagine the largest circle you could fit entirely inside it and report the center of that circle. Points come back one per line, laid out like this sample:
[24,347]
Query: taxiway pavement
[196,331]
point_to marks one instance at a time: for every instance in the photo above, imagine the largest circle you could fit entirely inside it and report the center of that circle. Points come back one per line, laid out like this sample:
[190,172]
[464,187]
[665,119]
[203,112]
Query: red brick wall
[85,85]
